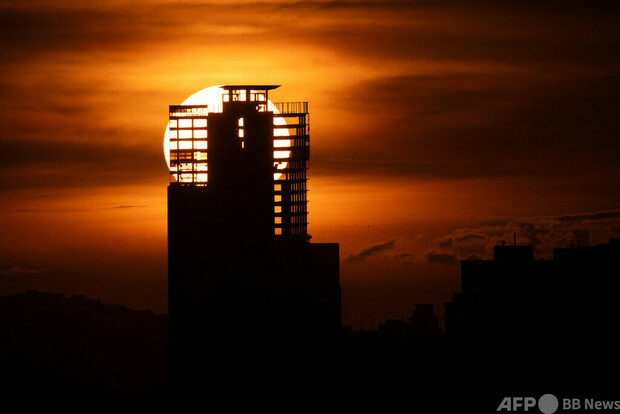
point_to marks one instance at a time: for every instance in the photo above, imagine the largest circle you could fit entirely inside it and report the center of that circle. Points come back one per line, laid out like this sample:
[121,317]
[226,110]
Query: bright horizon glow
[213,96]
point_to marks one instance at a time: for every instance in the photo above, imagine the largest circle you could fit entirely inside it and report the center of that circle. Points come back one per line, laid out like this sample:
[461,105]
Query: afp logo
[547,404]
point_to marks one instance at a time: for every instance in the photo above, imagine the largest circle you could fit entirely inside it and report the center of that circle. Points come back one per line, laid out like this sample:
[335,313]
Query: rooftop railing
[289,107]
[204,110]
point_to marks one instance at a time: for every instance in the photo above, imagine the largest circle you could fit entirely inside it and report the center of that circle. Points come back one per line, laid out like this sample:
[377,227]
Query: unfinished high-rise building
[241,264]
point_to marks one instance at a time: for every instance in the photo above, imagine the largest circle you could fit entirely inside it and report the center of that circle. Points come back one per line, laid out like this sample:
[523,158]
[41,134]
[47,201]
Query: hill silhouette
[76,351]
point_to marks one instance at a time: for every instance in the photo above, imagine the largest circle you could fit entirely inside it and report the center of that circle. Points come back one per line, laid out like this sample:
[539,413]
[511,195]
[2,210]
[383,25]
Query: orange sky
[437,130]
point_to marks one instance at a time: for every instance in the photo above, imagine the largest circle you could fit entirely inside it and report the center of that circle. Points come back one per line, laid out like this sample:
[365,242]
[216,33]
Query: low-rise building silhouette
[519,302]
[422,327]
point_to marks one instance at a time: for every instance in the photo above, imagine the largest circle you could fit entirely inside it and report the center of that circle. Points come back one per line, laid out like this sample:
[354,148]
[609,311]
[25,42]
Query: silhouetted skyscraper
[241,268]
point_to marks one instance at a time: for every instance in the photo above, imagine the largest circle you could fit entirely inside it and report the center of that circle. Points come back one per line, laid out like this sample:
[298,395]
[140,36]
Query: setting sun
[212,98]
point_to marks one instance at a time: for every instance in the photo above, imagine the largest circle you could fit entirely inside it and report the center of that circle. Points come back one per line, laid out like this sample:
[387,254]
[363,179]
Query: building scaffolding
[189,138]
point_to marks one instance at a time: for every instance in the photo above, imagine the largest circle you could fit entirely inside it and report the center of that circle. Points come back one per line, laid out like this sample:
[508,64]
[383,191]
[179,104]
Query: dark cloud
[481,31]
[447,242]
[544,233]
[448,259]
[34,32]
[370,251]
[405,259]
[73,209]
[599,215]
[22,271]
[469,237]
[367,30]
[480,126]
[25,163]
[123,207]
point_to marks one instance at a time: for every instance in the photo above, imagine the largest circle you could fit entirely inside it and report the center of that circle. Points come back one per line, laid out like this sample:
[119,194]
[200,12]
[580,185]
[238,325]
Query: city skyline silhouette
[518,324]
